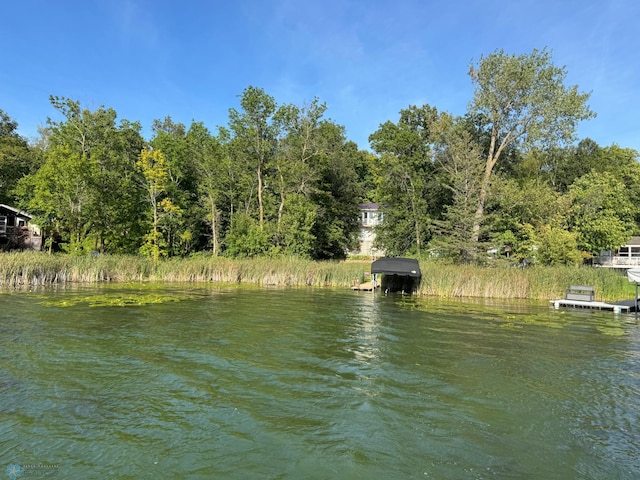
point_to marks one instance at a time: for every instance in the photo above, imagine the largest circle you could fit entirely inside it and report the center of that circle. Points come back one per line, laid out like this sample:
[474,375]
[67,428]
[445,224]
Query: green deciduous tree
[155,171]
[255,130]
[405,179]
[107,200]
[521,208]
[557,246]
[211,164]
[601,213]
[303,188]
[525,103]
[17,159]
[295,175]
[63,196]
[336,195]
[172,139]
[246,238]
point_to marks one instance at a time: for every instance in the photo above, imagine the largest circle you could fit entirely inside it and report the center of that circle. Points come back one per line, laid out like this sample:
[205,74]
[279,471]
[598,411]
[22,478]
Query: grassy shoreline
[439,279]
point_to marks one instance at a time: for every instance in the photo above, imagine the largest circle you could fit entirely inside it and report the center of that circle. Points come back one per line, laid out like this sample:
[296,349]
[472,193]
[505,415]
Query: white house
[626,256]
[370,217]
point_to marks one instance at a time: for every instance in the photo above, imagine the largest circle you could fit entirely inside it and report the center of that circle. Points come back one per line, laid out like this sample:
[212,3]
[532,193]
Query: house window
[3,224]
[21,222]
[370,218]
[635,252]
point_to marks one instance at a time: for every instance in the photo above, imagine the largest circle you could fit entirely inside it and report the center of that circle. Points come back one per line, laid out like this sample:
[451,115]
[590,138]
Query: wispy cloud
[135,22]
[320,29]
[367,59]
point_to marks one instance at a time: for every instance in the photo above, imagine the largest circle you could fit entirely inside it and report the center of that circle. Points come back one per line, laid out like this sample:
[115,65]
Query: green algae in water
[612,328]
[326,374]
[523,314]
[119,299]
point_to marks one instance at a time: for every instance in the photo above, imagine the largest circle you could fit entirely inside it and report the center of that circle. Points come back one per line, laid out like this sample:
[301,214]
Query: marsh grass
[439,279]
[540,283]
[37,268]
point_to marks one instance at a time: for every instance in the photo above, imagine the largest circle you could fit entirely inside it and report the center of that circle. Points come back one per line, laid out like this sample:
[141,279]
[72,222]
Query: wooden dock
[625,306]
[366,286]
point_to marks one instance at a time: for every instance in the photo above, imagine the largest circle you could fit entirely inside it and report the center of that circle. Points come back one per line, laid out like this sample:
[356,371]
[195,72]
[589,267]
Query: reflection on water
[201,382]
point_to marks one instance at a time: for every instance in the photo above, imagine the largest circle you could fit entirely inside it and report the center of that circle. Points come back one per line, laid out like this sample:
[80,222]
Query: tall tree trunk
[214,228]
[492,158]
[482,197]
[416,220]
[156,248]
[282,196]
[260,205]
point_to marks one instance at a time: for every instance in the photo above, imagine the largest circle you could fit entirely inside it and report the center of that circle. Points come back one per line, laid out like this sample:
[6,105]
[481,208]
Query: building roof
[368,206]
[397,266]
[635,241]
[15,211]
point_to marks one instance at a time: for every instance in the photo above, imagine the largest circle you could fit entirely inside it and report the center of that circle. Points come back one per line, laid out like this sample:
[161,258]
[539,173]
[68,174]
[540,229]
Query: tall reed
[37,268]
[438,279]
[539,283]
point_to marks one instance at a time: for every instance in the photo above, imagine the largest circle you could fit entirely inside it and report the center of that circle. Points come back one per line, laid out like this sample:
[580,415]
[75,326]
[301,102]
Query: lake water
[235,383]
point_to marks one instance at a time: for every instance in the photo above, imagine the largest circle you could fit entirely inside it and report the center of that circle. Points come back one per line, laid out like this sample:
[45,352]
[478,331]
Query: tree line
[282,179]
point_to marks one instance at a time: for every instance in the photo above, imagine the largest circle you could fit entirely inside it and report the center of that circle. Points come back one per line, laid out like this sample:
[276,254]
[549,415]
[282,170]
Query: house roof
[635,241]
[397,266]
[15,211]
[368,206]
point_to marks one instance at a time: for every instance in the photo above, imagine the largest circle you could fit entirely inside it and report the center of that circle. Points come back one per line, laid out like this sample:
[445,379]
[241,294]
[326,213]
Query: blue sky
[366,59]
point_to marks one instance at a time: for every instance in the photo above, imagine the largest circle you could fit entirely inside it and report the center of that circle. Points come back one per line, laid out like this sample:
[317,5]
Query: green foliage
[283,180]
[525,100]
[211,163]
[297,226]
[16,158]
[336,194]
[62,193]
[567,165]
[246,238]
[524,103]
[284,158]
[528,201]
[462,166]
[601,213]
[85,189]
[557,247]
[153,246]
[155,171]
[184,152]
[522,243]
[406,182]
[256,129]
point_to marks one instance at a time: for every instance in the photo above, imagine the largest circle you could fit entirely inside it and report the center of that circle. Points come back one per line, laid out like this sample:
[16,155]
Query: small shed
[398,274]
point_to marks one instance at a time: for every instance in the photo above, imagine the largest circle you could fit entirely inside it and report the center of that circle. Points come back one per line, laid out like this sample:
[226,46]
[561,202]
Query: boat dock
[625,306]
[367,286]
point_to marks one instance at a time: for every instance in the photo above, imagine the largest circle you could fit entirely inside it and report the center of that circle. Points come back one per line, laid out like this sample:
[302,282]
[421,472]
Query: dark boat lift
[398,274]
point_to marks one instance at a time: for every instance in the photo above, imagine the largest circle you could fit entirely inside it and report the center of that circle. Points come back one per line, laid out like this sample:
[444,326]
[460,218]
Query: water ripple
[318,384]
